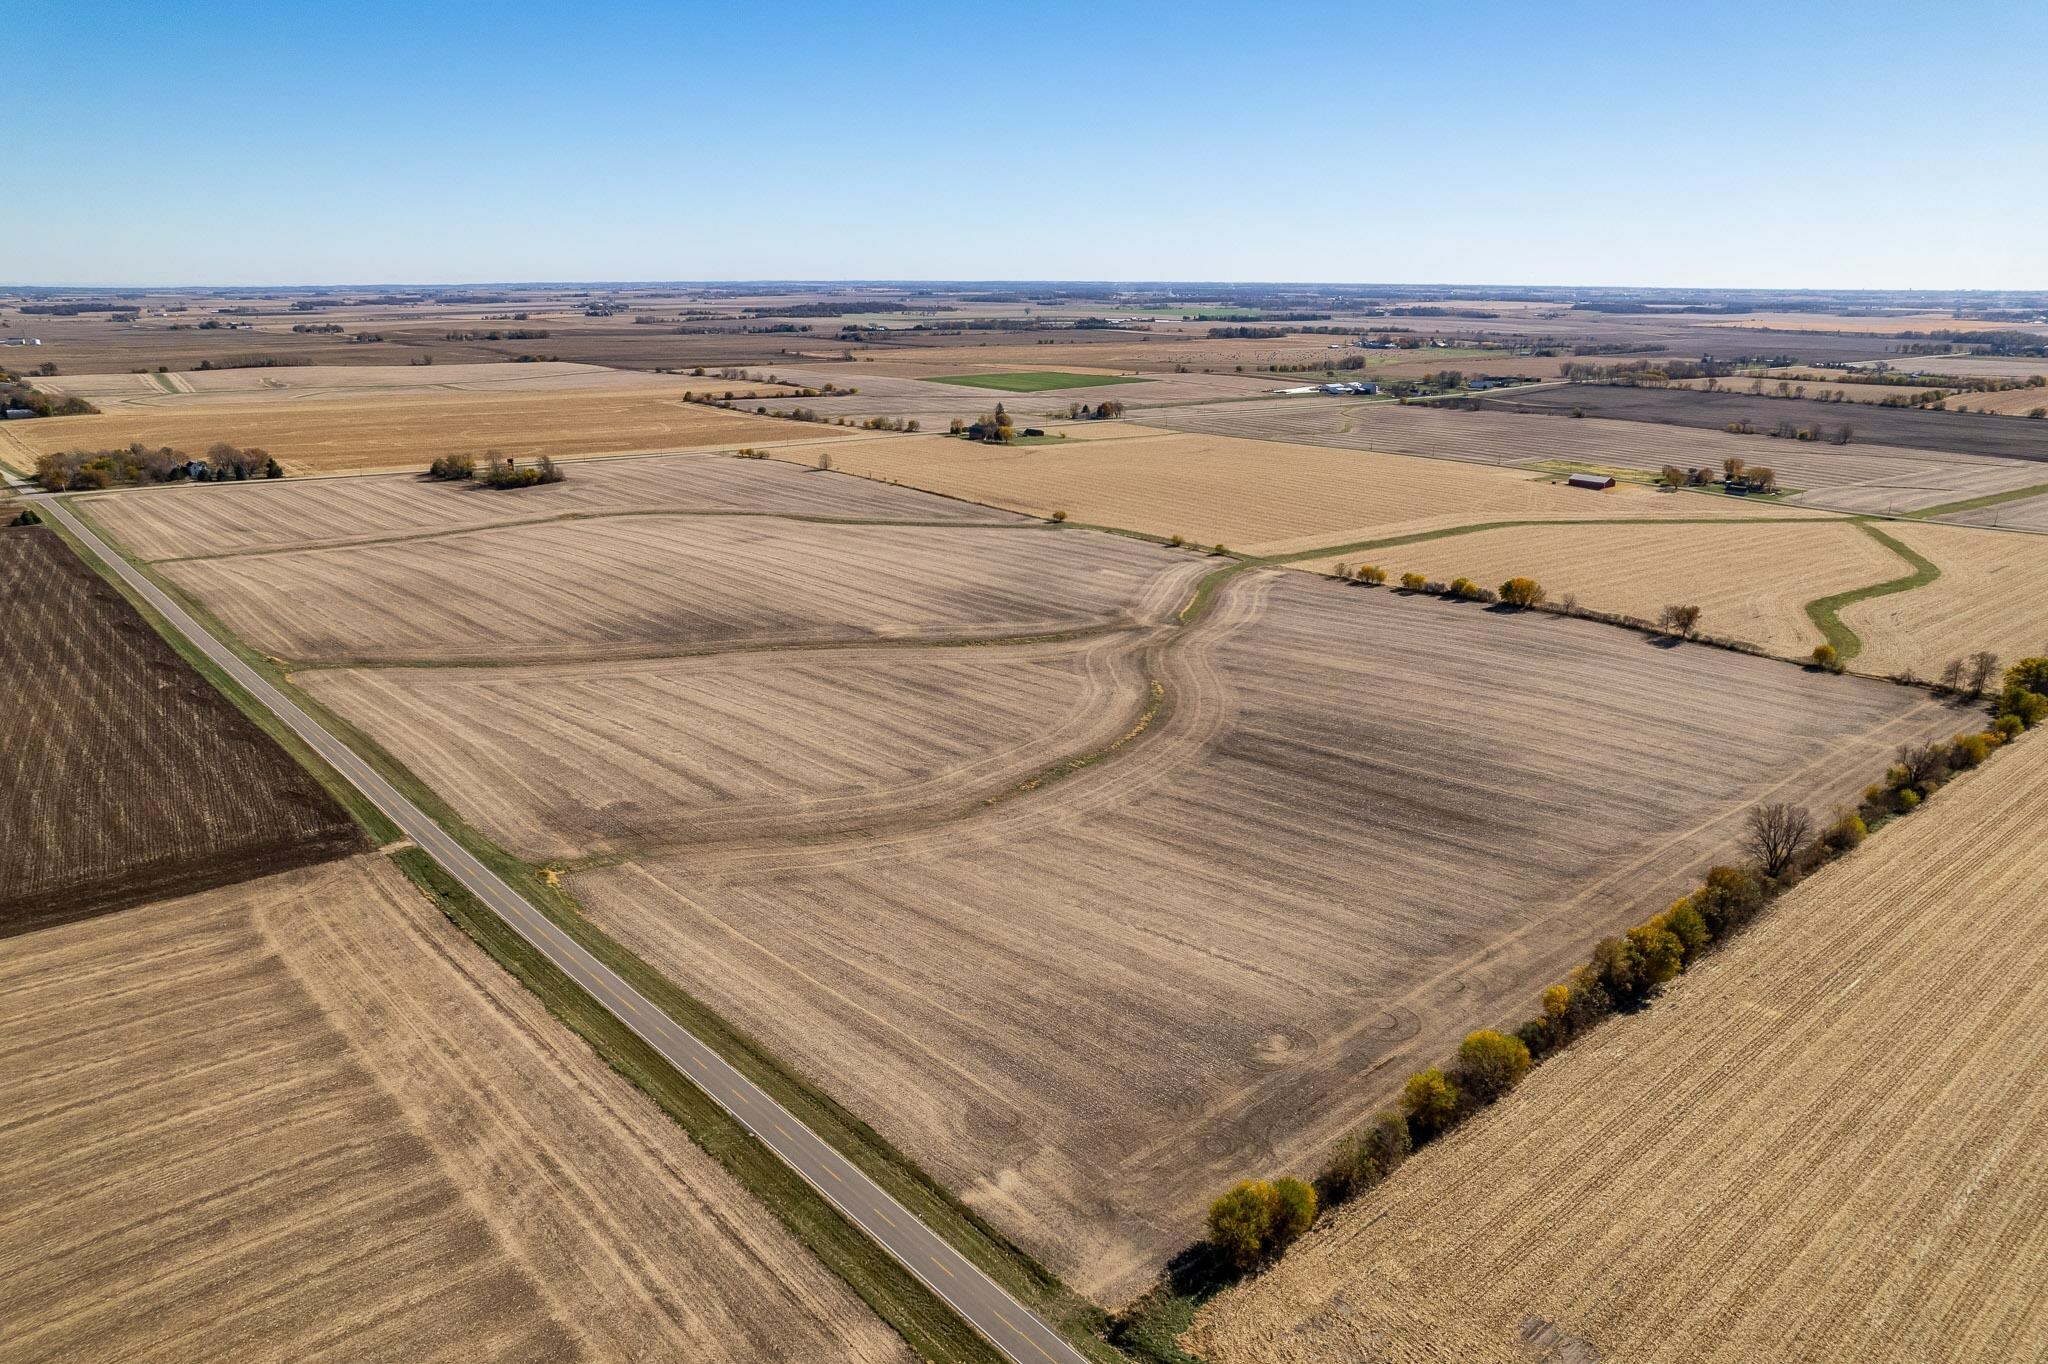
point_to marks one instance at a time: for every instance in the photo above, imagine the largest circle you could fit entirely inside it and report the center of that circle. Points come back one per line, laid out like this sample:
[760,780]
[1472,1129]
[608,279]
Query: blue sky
[1825,145]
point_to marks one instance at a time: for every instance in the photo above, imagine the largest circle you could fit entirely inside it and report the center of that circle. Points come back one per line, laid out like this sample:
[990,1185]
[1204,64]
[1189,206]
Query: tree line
[1256,1220]
[499,471]
[88,470]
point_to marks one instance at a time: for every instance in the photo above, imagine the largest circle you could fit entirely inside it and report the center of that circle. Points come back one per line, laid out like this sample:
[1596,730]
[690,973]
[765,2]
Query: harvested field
[1992,594]
[2021,367]
[1852,478]
[1257,497]
[2011,402]
[1950,432]
[292,384]
[1752,582]
[1823,1144]
[339,1131]
[649,584]
[739,746]
[1033,381]
[1209,954]
[126,776]
[1816,388]
[897,390]
[2026,512]
[356,430]
[235,518]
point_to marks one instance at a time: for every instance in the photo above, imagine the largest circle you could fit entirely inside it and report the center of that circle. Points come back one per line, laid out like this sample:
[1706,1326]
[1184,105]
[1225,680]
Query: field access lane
[977,1299]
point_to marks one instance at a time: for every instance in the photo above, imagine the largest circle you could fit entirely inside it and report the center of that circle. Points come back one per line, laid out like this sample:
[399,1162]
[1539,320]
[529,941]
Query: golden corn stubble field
[1752,582]
[305,1118]
[328,421]
[1822,1144]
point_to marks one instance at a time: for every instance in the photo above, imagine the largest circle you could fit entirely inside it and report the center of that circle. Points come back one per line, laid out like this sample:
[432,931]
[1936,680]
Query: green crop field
[1033,381]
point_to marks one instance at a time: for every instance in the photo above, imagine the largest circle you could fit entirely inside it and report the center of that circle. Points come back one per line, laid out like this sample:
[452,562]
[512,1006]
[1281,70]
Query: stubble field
[648,584]
[1992,594]
[352,430]
[1822,1144]
[1100,1002]
[1951,432]
[735,747]
[237,518]
[1851,478]
[1257,497]
[303,1118]
[129,777]
[1752,582]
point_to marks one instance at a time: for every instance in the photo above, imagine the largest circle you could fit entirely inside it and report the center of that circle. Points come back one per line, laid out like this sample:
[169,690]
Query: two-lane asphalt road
[977,1299]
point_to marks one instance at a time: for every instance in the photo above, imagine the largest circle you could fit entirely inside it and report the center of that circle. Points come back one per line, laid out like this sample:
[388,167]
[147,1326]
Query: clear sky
[1870,144]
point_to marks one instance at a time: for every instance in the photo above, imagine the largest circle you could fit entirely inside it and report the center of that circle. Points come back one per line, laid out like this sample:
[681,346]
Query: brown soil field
[304,1118]
[675,751]
[1992,594]
[1823,1144]
[651,584]
[1751,581]
[1258,497]
[1819,388]
[2024,513]
[192,520]
[1852,478]
[355,430]
[126,776]
[1949,432]
[1206,956]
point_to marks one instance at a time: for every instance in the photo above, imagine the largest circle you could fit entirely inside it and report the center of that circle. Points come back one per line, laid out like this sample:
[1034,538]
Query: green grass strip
[925,1323]
[1825,613]
[1973,503]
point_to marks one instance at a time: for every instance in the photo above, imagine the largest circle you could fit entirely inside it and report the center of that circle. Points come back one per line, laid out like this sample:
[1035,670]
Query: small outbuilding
[1597,482]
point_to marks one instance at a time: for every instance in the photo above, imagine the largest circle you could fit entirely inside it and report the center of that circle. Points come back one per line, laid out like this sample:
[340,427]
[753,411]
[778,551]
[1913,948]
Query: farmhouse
[1597,482]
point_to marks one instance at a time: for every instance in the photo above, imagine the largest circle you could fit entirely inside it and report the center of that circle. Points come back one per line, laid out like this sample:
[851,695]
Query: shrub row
[1517,592]
[1626,971]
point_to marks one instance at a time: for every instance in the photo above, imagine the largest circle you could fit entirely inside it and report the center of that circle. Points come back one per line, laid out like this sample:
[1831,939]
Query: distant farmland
[130,777]
[1957,432]
[353,428]
[1858,477]
[1824,1145]
[1034,381]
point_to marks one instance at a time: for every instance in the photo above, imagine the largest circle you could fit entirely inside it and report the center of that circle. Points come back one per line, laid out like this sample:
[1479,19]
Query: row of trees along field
[499,470]
[17,392]
[86,470]
[1256,1220]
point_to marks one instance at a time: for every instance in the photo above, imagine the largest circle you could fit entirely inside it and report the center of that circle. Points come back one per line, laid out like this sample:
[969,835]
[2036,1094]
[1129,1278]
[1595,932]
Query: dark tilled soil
[124,776]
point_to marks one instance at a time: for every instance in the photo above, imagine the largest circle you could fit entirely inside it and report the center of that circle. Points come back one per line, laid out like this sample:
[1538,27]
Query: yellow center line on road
[940,1266]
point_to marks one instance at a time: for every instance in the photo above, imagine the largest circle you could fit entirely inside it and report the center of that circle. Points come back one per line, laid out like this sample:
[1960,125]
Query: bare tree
[1952,675]
[1775,834]
[1680,620]
[1983,665]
